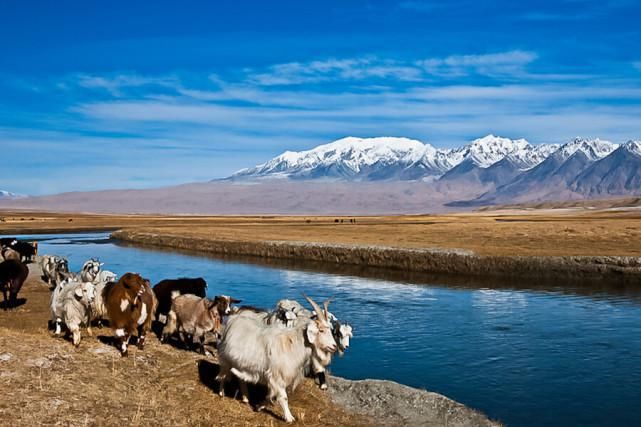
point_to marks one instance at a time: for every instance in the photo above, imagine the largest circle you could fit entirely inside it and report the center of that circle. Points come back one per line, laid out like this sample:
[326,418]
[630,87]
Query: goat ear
[78,292]
[311,332]
[235,301]
[211,304]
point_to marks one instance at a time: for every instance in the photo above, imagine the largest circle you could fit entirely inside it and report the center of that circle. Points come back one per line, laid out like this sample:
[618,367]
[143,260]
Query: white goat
[105,276]
[54,269]
[258,353]
[342,334]
[289,313]
[71,304]
[90,270]
[99,309]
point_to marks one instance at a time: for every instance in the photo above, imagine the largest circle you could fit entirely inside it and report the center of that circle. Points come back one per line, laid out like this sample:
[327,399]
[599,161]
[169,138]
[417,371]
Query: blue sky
[97,95]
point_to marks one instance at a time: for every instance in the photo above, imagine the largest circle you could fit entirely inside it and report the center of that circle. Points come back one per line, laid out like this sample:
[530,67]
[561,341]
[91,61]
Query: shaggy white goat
[259,353]
[71,304]
[90,270]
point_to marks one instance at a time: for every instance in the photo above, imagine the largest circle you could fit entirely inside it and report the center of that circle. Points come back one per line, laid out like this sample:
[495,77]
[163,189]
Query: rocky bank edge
[395,404]
[434,261]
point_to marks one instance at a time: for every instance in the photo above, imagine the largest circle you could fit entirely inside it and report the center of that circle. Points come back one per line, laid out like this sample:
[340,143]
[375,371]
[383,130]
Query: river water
[527,357]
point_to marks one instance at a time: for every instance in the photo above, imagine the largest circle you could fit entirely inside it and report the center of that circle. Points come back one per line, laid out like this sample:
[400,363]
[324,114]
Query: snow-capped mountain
[347,158]
[552,178]
[486,151]
[616,174]
[594,149]
[495,160]
[500,170]
[392,158]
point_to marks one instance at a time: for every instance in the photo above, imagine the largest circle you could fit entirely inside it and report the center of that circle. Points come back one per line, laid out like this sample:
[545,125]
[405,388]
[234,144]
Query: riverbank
[45,379]
[432,261]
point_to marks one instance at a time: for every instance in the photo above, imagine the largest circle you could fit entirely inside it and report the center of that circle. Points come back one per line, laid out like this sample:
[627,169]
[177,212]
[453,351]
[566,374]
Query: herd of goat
[275,347]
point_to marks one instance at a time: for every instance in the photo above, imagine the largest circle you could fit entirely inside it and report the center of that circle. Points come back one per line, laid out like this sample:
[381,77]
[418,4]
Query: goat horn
[325,305]
[315,306]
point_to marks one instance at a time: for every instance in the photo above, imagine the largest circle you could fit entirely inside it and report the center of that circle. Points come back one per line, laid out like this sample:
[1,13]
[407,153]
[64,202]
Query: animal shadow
[207,372]
[107,340]
[113,342]
[4,305]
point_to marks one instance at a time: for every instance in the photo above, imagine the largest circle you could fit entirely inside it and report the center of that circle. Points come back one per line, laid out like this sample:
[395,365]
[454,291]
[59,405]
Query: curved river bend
[525,357]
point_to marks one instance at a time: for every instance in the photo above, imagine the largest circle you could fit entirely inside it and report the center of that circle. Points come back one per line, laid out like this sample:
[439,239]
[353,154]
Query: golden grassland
[563,232]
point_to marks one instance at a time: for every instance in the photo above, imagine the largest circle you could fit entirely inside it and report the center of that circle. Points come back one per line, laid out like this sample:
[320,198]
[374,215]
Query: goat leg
[243,391]
[124,346]
[141,337]
[282,400]
[222,379]
[122,340]
[75,333]
[58,329]
[322,380]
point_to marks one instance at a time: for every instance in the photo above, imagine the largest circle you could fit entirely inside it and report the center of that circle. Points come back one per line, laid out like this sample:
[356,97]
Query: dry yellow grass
[544,232]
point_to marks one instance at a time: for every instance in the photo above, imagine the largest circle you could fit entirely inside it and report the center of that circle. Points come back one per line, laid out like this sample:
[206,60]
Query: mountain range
[385,175]
[502,170]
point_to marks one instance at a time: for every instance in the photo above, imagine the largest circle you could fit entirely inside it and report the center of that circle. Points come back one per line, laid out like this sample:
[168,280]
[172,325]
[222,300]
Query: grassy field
[568,231]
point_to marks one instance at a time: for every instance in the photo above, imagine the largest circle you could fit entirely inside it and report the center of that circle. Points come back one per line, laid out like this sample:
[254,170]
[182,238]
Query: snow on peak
[404,158]
[351,153]
[633,147]
[532,155]
[594,149]
[486,151]
[490,149]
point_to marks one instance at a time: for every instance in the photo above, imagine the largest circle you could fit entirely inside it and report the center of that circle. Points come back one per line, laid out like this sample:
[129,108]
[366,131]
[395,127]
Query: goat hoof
[323,387]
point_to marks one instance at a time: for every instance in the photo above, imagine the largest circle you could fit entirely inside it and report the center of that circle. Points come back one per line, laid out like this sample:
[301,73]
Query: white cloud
[493,64]
[115,84]
[501,64]
[295,73]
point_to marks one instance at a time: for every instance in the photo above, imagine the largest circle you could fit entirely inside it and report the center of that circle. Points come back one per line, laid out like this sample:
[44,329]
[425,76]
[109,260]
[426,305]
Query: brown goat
[131,305]
[193,316]
[12,275]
